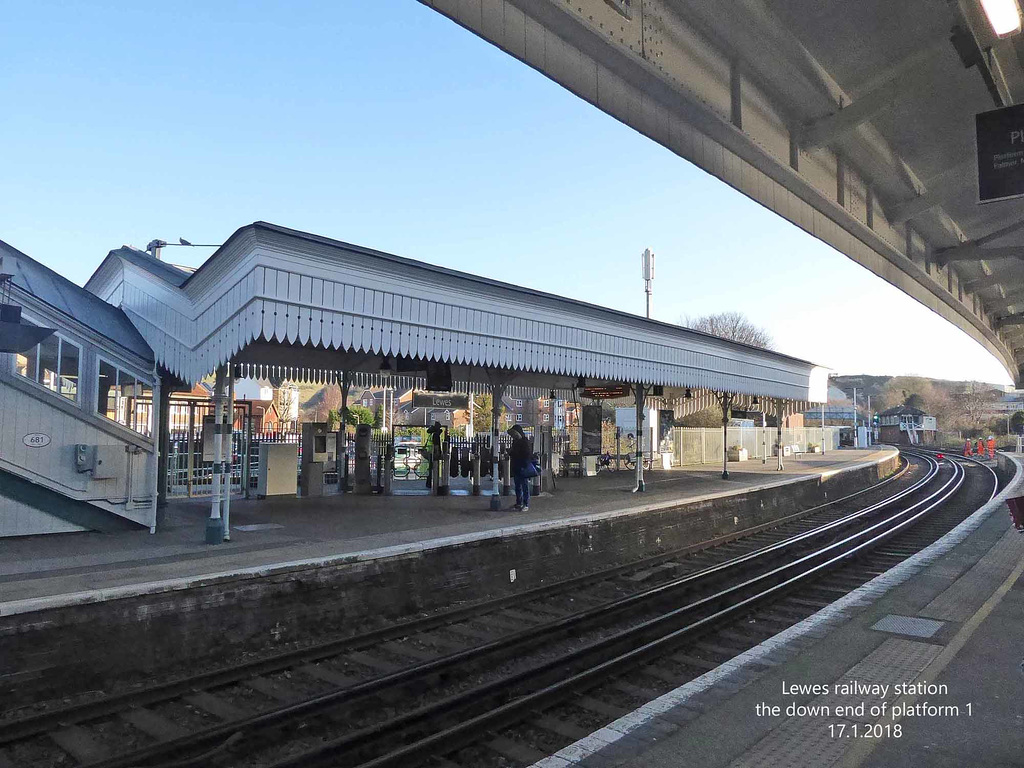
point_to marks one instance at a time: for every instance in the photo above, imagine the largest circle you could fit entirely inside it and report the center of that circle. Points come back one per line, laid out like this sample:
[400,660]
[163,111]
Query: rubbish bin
[1017,512]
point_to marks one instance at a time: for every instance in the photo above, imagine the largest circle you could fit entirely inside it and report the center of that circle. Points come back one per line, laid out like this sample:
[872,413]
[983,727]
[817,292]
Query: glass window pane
[25,363]
[48,356]
[126,396]
[106,400]
[69,370]
[126,399]
[144,409]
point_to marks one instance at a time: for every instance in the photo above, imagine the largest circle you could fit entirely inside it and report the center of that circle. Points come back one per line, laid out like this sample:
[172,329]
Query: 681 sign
[36,440]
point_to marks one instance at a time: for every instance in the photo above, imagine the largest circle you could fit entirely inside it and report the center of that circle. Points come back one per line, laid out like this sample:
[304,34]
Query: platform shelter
[277,303]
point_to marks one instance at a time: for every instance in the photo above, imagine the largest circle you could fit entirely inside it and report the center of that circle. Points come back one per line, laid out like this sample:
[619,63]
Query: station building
[85,415]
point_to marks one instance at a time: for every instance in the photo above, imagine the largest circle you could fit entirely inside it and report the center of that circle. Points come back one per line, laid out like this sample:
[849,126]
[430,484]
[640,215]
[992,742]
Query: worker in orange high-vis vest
[968,450]
[981,448]
[991,447]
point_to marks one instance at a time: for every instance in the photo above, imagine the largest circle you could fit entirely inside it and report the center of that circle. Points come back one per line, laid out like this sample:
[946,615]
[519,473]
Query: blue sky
[384,124]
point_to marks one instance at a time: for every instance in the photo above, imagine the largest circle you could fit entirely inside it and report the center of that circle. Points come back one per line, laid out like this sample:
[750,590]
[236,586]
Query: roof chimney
[154,247]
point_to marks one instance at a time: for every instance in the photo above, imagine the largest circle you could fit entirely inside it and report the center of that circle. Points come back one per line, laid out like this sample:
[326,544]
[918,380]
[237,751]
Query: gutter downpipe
[157,442]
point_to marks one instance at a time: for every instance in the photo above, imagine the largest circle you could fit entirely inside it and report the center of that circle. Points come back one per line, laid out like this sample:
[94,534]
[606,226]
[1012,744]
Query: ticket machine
[319,453]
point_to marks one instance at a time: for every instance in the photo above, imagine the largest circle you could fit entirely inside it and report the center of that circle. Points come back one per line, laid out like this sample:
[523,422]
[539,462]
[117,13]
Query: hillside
[876,386]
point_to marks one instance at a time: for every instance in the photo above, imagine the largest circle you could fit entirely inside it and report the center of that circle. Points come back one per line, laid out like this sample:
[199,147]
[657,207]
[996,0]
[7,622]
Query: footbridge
[854,121]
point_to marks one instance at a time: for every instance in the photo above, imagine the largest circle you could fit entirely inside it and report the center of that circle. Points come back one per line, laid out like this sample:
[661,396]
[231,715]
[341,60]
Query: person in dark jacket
[521,458]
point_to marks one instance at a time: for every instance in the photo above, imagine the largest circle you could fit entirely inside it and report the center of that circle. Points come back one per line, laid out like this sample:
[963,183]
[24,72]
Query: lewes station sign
[1000,136]
[447,401]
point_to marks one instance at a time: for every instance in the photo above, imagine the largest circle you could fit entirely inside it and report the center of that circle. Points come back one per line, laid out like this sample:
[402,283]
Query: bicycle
[630,458]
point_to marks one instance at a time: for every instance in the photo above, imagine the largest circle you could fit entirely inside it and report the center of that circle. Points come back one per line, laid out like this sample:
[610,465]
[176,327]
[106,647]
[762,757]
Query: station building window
[54,363]
[124,399]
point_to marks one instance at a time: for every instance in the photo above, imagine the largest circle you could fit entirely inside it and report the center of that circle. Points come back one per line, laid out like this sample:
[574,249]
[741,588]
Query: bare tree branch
[731,325]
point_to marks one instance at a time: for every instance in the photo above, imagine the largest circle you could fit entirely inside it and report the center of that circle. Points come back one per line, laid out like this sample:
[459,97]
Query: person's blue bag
[529,470]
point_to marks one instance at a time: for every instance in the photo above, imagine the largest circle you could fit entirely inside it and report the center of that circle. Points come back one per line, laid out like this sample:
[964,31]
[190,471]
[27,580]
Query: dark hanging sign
[1000,138]
[446,401]
[606,393]
[591,438]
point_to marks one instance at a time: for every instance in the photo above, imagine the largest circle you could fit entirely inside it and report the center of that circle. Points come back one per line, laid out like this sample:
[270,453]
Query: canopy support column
[726,401]
[640,486]
[228,437]
[162,434]
[214,525]
[497,393]
[778,429]
[823,429]
[344,383]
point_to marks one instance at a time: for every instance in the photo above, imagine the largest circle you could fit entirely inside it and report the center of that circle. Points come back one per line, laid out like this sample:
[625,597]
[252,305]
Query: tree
[378,416]
[709,417]
[972,404]
[915,400]
[1017,423]
[359,414]
[482,413]
[731,325]
[333,420]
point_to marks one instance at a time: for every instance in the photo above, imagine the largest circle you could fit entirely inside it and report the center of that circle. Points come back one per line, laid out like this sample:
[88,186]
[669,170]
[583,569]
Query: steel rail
[523,639]
[847,548]
[36,724]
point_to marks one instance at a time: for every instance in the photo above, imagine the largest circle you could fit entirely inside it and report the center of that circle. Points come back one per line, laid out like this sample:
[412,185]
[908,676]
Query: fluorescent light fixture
[1003,15]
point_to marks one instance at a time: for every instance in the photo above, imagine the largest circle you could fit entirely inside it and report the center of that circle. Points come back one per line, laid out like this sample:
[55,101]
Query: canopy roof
[293,305]
[72,300]
[853,120]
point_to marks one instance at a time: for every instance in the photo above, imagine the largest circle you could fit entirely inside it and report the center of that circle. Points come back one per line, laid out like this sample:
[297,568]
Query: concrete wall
[84,645]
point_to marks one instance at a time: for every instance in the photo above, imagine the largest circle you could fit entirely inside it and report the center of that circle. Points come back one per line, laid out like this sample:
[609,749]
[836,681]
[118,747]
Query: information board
[1000,140]
[444,400]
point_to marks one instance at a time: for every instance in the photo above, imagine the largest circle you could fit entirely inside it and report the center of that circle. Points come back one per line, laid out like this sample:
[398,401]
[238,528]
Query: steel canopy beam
[1011,320]
[974,253]
[980,283]
[938,191]
[876,97]
[998,305]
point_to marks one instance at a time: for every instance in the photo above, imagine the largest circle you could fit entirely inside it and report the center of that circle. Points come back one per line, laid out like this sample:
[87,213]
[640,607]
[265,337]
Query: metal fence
[190,476]
[189,472]
[699,445]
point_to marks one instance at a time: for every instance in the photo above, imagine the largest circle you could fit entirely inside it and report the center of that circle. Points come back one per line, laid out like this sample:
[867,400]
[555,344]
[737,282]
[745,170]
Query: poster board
[591,440]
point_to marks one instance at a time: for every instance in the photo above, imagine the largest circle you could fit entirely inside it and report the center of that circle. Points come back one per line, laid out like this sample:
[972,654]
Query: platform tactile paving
[806,742]
[962,598]
[894,661]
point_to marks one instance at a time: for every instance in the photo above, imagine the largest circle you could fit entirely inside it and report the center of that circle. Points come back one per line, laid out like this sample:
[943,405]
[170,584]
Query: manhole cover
[908,625]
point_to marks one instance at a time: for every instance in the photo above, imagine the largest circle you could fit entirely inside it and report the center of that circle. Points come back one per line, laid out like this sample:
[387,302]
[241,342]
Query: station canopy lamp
[1003,16]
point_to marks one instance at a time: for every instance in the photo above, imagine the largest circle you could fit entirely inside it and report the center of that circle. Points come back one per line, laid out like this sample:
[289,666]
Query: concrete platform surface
[49,571]
[945,624]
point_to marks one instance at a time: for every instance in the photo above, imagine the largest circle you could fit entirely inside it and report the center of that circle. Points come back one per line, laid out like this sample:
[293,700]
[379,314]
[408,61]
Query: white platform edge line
[829,616]
[50,602]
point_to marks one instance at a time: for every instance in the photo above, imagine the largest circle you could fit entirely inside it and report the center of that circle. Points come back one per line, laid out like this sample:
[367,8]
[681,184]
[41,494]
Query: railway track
[429,686]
